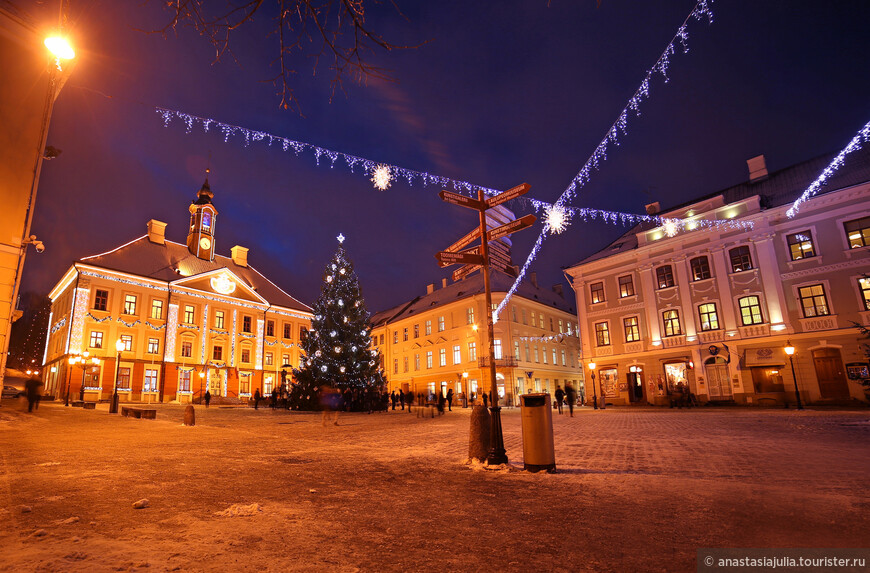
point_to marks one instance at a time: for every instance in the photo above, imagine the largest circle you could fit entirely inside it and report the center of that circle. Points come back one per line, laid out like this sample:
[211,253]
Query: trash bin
[537,420]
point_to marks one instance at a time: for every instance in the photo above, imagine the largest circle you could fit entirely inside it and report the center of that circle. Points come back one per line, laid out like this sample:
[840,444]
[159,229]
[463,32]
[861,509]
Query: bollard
[189,416]
[479,434]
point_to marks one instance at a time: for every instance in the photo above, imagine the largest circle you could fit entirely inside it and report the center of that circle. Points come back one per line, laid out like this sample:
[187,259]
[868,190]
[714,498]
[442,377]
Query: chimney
[443,283]
[157,231]
[653,208]
[239,256]
[533,278]
[557,288]
[430,288]
[757,169]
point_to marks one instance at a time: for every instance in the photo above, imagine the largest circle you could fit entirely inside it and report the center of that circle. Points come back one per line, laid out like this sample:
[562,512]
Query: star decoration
[340,238]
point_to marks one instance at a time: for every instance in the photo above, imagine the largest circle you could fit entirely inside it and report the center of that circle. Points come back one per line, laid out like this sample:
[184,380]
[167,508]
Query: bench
[147,414]
[89,405]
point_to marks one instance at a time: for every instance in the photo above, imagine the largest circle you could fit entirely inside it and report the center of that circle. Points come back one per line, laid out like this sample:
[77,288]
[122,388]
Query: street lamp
[119,346]
[789,349]
[594,392]
[72,362]
[463,377]
[201,376]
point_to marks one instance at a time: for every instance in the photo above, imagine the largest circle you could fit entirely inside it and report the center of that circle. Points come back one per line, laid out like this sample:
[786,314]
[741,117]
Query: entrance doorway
[635,384]
[718,379]
[830,373]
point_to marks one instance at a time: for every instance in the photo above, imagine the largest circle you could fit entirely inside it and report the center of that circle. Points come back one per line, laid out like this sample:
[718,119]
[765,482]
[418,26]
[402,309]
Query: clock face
[205,243]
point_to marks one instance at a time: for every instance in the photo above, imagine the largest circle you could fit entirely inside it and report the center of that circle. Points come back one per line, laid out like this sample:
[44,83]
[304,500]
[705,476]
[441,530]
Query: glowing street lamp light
[60,48]
[789,349]
[594,391]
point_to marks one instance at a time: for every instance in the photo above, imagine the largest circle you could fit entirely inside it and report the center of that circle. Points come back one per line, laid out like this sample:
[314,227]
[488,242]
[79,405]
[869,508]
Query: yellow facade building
[437,341]
[188,320]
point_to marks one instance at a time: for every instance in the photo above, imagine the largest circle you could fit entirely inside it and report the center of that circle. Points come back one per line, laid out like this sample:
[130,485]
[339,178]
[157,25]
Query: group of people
[567,395]
[441,400]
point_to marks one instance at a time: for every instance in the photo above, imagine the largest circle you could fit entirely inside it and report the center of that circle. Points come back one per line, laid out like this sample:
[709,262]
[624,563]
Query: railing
[506,362]
[674,341]
[828,322]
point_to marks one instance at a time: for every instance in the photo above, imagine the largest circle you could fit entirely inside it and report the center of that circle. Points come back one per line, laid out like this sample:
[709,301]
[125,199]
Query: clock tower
[203,217]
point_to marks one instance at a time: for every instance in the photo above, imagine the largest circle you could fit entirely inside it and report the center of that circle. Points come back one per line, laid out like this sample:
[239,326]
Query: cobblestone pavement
[636,490]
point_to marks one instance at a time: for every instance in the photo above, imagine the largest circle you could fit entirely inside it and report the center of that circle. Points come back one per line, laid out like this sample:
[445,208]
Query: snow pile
[239,510]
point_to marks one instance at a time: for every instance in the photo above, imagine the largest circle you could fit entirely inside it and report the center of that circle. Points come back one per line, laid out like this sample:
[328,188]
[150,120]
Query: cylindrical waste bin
[537,419]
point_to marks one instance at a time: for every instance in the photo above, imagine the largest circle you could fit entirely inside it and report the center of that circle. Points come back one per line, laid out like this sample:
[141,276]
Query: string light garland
[699,12]
[862,136]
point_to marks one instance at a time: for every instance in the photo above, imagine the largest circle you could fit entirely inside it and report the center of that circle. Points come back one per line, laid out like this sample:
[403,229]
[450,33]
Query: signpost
[486,257]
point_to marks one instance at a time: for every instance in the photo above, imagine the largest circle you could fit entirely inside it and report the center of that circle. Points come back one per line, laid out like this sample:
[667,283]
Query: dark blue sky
[502,93]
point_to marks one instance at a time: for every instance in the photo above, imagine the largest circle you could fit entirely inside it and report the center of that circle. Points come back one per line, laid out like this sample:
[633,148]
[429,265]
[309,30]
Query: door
[635,387]
[830,373]
[718,382]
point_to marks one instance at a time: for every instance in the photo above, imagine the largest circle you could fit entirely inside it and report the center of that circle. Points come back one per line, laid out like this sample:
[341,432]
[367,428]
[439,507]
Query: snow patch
[239,510]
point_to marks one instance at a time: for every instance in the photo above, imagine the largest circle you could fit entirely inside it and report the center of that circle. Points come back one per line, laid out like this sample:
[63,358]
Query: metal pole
[68,383]
[797,392]
[594,391]
[82,389]
[497,454]
[113,407]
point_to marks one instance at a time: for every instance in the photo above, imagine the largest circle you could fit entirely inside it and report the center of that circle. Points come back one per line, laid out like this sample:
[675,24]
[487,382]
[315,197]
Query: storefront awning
[765,357]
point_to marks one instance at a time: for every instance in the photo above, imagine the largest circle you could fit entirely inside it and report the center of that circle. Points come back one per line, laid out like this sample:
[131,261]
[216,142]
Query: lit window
[626,286]
[632,329]
[472,351]
[469,315]
[405,364]
[101,300]
[186,349]
[405,334]
[96,339]
[564,363]
[130,304]
[416,362]
[150,384]
[395,337]
[709,317]
[665,276]
[457,354]
[428,327]
[441,324]
[153,346]
[741,259]
[800,245]
[700,268]
[416,331]
[541,318]
[517,349]
[750,310]
[554,357]
[497,349]
[188,315]
[442,357]
[247,324]
[184,381]
[123,378]
[596,292]
[858,232]
[245,384]
[128,342]
[544,353]
[672,322]
[864,286]
[269,359]
[395,365]
[218,317]
[813,301]
[429,359]
[537,356]
[602,334]
[246,355]
[157,309]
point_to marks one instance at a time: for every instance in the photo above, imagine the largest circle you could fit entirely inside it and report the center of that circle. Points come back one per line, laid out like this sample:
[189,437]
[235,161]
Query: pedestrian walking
[560,394]
[402,398]
[274,398]
[450,400]
[257,399]
[393,399]
[207,398]
[31,388]
[571,396]
[441,401]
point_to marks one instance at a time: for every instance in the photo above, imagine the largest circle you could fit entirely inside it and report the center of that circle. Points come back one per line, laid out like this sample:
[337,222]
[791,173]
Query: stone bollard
[479,435]
[189,416]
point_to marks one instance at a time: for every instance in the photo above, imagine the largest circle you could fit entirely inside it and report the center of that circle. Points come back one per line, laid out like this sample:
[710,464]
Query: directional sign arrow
[506,269]
[447,258]
[511,193]
[462,200]
[512,227]
[464,241]
[461,272]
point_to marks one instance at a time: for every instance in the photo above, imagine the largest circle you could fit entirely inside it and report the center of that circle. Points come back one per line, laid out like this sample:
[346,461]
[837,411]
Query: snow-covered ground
[265,490]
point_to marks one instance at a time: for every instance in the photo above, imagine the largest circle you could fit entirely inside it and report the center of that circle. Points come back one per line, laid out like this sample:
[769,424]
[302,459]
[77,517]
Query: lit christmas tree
[336,348]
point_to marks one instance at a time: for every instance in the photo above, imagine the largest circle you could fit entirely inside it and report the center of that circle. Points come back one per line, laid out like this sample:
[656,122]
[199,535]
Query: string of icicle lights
[862,136]
[560,211]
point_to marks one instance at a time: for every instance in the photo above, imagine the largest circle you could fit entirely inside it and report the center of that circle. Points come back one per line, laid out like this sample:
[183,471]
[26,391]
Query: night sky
[501,93]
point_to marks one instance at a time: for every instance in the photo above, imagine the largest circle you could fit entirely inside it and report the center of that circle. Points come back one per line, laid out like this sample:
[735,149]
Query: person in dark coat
[450,400]
[31,388]
[440,403]
[571,396]
[393,399]
[207,398]
[274,403]
[560,395]
[257,399]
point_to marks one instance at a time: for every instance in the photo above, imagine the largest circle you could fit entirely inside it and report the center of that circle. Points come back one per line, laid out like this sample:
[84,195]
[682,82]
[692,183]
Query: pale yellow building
[189,320]
[438,342]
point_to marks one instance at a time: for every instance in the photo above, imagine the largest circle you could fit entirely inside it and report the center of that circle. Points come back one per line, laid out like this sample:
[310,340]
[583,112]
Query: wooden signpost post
[484,257]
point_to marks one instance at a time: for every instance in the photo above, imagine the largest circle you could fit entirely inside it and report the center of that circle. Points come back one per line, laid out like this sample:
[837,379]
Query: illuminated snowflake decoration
[353,348]
[556,219]
[333,334]
[374,352]
[323,368]
[345,320]
[333,266]
[382,177]
[342,369]
[317,354]
[341,271]
[371,362]
[363,332]
[671,228]
[340,302]
[329,279]
[318,317]
[338,349]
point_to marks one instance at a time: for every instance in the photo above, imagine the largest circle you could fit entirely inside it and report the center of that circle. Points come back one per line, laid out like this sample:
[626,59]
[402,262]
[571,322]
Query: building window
[457,354]
[188,315]
[150,384]
[497,349]
[217,353]
[123,378]
[767,379]
[128,342]
[186,349]
[285,360]
[405,334]
[517,349]
[541,318]
[564,362]
[626,286]
[813,301]
[544,353]
[101,300]
[672,322]
[700,268]
[750,310]
[429,359]
[864,286]
[561,327]
[428,327]
[157,309]
[632,329]
[246,355]
[602,334]
[245,384]
[184,381]
[709,316]
[528,354]
[440,324]
[153,345]
[800,245]
[303,333]
[537,356]
[472,351]
[382,339]
[416,362]
[269,359]
[395,337]
[554,357]
[596,292]
[442,357]
[130,304]
[525,319]
[218,318]
[469,315]
[416,331]
[858,232]
[270,328]
[405,364]
[96,339]
[741,260]
[514,312]
[246,324]
[665,276]
[288,330]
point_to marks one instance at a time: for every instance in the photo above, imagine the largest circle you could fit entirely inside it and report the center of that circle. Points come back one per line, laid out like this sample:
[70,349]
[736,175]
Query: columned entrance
[830,373]
[718,379]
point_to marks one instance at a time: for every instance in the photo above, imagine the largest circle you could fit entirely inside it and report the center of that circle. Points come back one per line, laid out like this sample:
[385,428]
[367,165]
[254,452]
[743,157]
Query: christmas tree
[336,348]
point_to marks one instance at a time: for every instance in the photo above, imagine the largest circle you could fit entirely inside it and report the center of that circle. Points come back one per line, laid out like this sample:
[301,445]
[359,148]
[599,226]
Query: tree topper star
[340,238]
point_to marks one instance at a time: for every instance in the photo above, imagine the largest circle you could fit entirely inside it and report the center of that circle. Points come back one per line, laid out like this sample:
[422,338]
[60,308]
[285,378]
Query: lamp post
[84,362]
[594,391]
[201,376]
[789,349]
[72,362]
[119,346]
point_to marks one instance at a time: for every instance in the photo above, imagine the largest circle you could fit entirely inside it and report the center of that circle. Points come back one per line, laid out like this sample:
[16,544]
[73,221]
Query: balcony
[711,336]
[814,323]
[505,362]
[674,341]
[754,331]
